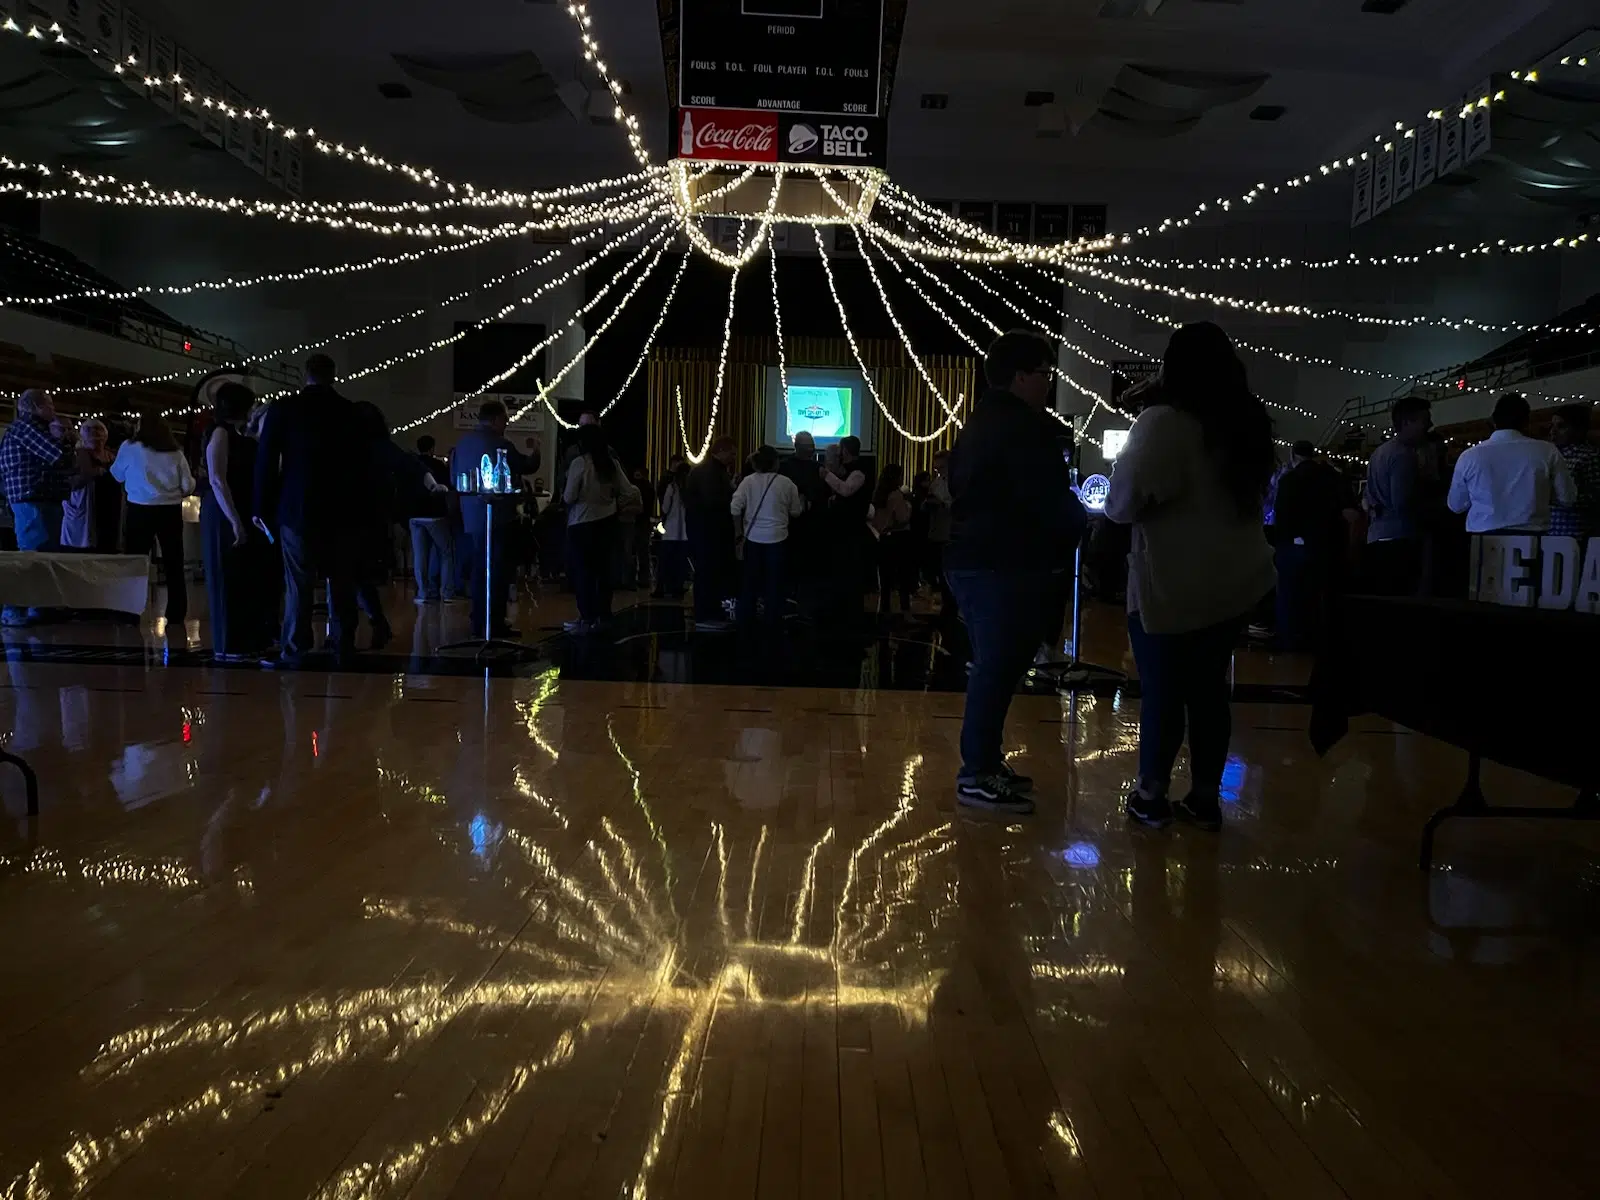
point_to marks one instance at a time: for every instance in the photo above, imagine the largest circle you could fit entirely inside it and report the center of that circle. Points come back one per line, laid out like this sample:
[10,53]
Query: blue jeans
[1184,675]
[1002,611]
[433,557]
[38,528]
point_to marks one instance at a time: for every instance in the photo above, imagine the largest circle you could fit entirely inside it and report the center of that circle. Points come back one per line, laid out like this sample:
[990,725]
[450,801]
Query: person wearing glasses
[1014,523]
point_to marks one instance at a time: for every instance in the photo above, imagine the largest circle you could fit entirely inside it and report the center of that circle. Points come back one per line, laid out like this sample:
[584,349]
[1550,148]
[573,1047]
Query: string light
[716,394]
[905,339]
[579,12]
[1498,248]
[376,326]
[872,387]
[735,261]
[583,351]
[582,312]
[650,341]
[917,287]
[777,319]
[556,281]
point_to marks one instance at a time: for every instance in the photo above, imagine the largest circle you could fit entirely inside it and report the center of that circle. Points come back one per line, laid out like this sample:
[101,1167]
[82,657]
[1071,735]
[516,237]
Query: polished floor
[426,934]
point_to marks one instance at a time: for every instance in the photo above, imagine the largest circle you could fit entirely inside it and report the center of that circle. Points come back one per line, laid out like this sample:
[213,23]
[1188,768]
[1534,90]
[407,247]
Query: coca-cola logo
[752,138]
[729,135]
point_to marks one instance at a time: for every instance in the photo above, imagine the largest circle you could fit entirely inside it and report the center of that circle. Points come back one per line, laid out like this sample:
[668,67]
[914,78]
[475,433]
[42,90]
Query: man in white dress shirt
[1506,483]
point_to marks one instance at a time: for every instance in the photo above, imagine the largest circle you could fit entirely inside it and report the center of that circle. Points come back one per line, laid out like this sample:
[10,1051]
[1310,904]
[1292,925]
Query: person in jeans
[1192,480]
[707,494]
[309,488]
[596,488]
[1398,504]
[1569,430]
[1014,522]
[763,505]
[151,467]
[37,458]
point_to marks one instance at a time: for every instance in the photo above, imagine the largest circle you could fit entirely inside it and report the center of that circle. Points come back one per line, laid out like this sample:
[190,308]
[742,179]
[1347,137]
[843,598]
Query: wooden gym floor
[425,934]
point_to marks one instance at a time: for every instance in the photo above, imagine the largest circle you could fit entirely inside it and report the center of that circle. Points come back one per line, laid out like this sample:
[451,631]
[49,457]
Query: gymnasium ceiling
[1145,94]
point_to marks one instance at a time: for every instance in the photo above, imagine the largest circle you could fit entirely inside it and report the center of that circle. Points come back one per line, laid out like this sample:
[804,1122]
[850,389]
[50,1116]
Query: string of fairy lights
[662,196]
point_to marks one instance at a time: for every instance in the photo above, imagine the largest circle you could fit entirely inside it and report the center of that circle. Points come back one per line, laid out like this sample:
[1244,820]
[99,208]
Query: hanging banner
[163,62]
[1088,221]
[1451,131]
[1427,154]
[977,212]
[1051,223]
[188,99]
[1361,195]
[1405,168]
[105,32]
[1382,181]
[294,181]
[276,154]
[135,49]
[1476,135]
[237,137]
[1014,221]
[213,123]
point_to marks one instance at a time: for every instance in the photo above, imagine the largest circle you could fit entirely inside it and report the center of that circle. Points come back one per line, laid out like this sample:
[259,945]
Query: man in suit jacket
[309,472]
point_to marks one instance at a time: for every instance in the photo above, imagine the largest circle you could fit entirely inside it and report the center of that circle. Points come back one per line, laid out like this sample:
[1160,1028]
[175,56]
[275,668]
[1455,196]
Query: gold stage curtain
[740,412]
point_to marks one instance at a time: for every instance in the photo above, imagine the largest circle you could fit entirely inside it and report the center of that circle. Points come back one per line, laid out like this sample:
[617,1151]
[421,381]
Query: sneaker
[993,792]
[1154,811]
[424,601]
[1018,781]
[1203,812]
[713,626]
[1259,633]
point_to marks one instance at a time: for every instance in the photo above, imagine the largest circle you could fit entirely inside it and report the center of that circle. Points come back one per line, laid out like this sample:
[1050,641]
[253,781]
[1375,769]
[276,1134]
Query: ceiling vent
[1267,112]
[936,101]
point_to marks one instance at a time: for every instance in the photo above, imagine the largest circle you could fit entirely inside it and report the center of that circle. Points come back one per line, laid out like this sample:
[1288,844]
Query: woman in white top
[152,469]
[1191,481]
[674,566]
[596,486]
[763,504]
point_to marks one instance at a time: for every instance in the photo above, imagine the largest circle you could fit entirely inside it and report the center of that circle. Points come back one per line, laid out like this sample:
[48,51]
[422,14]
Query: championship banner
[790,81]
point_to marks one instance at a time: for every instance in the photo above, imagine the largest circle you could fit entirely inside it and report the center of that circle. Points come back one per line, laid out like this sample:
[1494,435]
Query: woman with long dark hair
[595,486]
[237,588]
[891,520]
[151,467]
[1191,481]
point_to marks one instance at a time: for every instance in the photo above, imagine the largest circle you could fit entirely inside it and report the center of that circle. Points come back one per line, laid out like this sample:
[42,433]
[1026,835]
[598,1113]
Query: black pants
[674,569]
[1392,568]
[897,570]
[593,545]
[712,552]
[765,570]
[243,602]
[1183,679]
[306,559]
[160,527]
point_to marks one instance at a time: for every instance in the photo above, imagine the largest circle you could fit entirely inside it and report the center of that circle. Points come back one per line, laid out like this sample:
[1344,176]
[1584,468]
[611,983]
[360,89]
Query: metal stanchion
[1077,671]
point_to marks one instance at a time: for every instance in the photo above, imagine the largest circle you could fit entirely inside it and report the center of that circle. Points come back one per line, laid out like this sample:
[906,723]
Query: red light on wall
[187,345]
[1461,384]
[188,733]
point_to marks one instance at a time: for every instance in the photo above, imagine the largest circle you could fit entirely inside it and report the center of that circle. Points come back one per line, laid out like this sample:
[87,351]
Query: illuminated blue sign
[1095,491]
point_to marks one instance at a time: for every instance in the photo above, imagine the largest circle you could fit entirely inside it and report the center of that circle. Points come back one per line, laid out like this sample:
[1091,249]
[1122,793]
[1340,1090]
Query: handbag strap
[750,517]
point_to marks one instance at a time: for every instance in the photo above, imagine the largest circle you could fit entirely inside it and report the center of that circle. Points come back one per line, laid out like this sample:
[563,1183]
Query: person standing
[155,474]
[1569,430]
[938,506]
[596,488]
[674,535]
[427,455]
[232,548]
[488,440]
[37,457]
[891,521]
[1507,483]
[84,515]
[1014,521]
[1311,526]
[423,493]
[308,488]
[846,536]
[389,471]
[644,525]
[1192,480]
[807,567]
[1398,517]
[764,504]
[708,494]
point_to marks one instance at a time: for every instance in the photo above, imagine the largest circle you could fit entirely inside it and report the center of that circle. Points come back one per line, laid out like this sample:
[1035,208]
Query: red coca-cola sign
[727,135]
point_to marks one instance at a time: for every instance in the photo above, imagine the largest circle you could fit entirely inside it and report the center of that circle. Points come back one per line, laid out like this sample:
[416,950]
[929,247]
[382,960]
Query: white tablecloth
[34,579]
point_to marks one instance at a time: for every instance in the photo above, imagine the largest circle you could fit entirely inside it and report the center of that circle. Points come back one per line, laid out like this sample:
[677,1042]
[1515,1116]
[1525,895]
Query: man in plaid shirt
[1569,430]
[36,462]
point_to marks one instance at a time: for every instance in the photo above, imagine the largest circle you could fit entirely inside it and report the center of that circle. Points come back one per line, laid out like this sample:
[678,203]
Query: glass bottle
[502,471]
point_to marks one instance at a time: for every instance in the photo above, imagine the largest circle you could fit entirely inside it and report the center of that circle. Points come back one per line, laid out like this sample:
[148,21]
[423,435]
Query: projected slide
[826,402]
[823,412]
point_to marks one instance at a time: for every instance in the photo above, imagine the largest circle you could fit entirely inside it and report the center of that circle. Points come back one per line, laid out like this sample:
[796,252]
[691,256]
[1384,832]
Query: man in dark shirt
[489,438]
[309,470]
[707,503]
[1015,523]
[806,568]
[1311,533]
[436,466]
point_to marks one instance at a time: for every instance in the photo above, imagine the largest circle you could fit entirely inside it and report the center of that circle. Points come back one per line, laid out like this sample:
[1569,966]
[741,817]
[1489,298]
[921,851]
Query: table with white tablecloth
[41,579]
